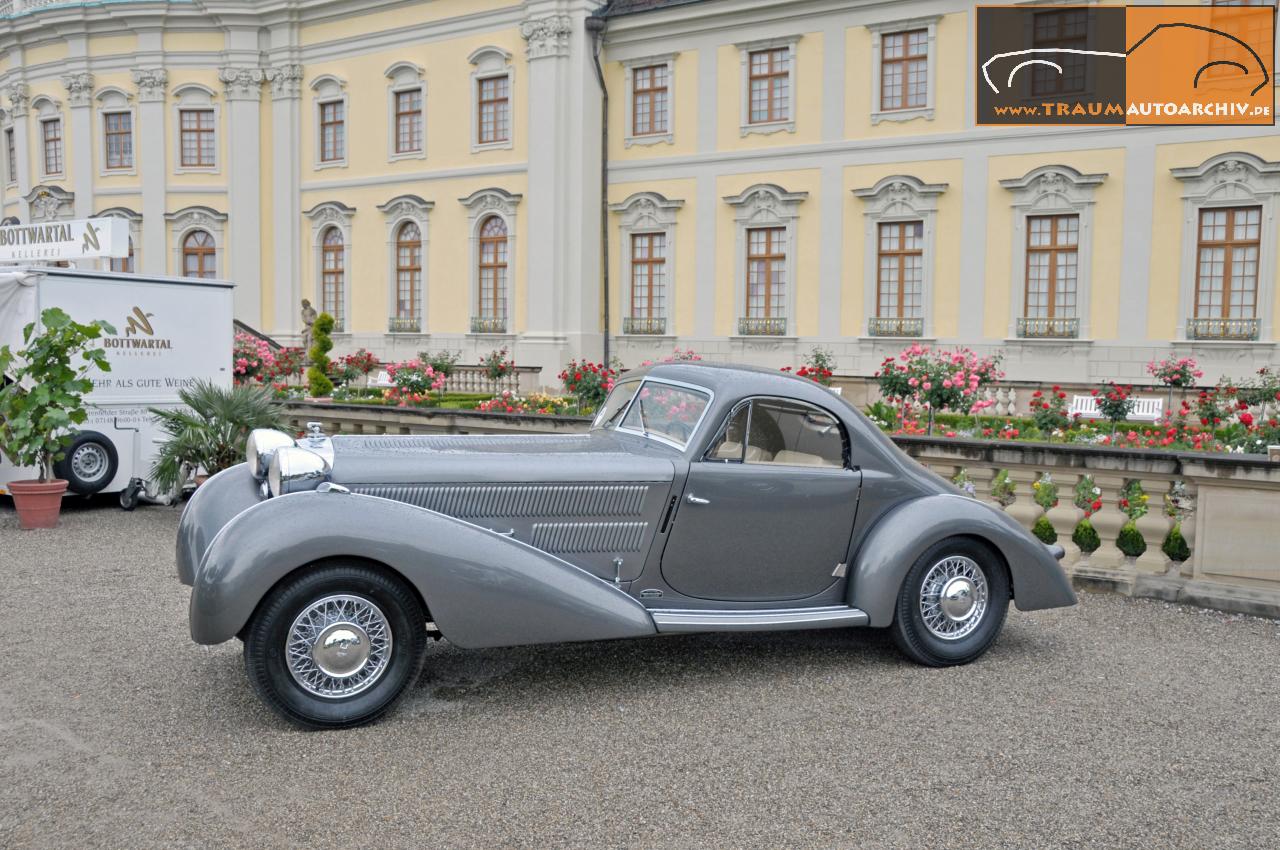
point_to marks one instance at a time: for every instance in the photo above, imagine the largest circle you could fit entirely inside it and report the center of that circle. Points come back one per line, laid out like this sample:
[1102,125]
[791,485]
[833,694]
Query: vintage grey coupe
[703,499]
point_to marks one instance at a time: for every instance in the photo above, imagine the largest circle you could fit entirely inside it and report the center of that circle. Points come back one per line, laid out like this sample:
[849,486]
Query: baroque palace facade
[779,175]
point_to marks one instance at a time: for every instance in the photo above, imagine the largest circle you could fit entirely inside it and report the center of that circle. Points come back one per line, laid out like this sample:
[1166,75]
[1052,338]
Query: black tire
[921,643]
[129,496]
[265,641]
[89,464]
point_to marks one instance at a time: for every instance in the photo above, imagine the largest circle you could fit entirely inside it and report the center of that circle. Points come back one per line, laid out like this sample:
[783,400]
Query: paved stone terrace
[1118,723]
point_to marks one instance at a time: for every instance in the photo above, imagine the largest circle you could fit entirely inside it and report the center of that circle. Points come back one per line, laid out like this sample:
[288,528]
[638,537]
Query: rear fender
[899,538]
[482,589]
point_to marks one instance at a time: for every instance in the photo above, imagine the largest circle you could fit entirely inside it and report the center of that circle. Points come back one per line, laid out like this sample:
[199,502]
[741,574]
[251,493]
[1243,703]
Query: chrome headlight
[293,470]
[262,443]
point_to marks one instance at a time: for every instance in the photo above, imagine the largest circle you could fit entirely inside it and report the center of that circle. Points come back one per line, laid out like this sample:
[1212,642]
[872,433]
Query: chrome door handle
[695,500]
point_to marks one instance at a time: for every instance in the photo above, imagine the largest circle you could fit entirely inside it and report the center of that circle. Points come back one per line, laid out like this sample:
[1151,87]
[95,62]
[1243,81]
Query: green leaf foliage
[46,381]
[1044,531]
[1086,537]
[318,383]
[211,428]
[1130,540]
[1175,545]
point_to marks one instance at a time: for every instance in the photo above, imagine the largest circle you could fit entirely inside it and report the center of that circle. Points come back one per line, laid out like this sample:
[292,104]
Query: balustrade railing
[1045,328]
[655,325]
[752,326]
[475,379]
[894,326]
[1241,329]
[488,324]
[404,325]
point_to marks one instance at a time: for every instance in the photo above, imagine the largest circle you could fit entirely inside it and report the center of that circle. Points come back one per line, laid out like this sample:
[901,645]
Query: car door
[768,510]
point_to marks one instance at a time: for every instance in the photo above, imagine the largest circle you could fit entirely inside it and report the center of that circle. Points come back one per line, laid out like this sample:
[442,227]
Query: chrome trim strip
[692,620]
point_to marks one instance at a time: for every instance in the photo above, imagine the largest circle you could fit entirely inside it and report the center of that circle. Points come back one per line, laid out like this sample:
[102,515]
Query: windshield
[615,404]
[666,411]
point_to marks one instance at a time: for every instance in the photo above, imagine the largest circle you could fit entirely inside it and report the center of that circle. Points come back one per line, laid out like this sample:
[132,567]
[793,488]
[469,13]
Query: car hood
[387,459]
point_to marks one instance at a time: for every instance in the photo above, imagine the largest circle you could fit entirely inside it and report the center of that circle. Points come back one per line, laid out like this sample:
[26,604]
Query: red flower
[1246,419]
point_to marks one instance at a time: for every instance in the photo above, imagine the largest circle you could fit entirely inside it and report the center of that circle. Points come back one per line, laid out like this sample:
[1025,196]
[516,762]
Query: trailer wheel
[129,495]
[89,464]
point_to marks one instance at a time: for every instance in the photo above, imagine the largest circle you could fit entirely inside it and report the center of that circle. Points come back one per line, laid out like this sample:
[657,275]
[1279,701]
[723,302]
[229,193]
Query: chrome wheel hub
[338,646]
[953,597]
[89,462]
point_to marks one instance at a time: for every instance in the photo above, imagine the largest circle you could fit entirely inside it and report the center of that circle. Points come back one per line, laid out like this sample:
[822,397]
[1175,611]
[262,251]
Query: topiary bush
[1044,531]
[1130,541]
[1175,545]
[318,383]
[1086,537]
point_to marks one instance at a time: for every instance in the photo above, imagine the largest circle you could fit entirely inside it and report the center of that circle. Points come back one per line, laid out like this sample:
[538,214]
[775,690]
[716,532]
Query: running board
[766,619]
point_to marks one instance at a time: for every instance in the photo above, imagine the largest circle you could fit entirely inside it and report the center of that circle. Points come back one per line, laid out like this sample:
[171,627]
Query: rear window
[666,411]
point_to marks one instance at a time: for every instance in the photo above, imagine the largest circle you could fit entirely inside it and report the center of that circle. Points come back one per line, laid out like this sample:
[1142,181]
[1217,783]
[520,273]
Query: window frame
[416,288]
[501,294]
[768,259]
[900,254]
[501,106]
[127,134]
[200,132]
[405,78]
[339,274]
[787,123]
[846,450]
[1052,250]
[694,430]
[906,60]
[878,31]
[1228,244]
[324,123]
[194,97]
[200,252]
[647,264]
[59,148]
[489,62]
[630,66]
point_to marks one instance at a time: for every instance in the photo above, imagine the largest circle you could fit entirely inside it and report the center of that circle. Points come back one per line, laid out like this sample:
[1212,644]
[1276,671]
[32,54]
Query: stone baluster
[1187,507]
[1024,510]
[1108,563]
[1153,527]
[981,477]
[1065,516]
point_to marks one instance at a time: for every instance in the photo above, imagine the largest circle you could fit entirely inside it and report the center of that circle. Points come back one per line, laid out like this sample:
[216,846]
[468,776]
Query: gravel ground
[1118,723]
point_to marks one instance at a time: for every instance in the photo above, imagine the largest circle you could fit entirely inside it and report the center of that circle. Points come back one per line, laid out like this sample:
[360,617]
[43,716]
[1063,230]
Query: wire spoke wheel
[953,597]
[338,646]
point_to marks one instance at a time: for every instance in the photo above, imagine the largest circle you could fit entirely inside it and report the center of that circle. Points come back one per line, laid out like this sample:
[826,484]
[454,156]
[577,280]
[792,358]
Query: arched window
[199,255]
[408,271]
[125,264]
[493,269]
[332,266]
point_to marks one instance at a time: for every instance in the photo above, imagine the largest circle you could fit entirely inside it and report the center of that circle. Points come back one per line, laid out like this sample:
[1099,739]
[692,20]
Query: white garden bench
[383,380]
[1144,409]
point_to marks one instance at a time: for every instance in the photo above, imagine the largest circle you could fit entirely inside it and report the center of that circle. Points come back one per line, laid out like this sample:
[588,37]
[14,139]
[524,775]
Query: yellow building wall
[683,99]
[806,99]
[342,27]
[176,41]
[804,266]
[1167,221]
[218,176]
[112,45]
[448,253]
[947,248]
[53,51]
[449,109]
[682,269]
[949,98]
[106,179]
[1107,246]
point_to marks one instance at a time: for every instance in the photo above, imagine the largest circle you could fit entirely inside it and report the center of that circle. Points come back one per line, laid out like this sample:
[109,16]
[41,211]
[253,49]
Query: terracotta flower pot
[38,502]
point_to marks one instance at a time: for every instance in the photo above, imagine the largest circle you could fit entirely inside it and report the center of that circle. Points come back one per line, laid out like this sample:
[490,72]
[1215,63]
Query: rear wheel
[89,463]
[336,646]
[952,603]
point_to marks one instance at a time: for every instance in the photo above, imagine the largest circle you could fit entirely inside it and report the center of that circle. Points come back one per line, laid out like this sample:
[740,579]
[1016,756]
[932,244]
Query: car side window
[791,433]
[732,439]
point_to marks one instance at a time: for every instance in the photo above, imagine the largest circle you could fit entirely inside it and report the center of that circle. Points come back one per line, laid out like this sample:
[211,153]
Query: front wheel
[336,646]
[952,603]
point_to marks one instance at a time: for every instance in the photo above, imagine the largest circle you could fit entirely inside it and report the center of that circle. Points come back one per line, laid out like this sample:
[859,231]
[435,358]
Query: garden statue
[309,315]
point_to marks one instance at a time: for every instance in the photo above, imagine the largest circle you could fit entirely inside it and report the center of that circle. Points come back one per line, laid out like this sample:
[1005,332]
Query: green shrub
[1086,537]
[1175,545]
[318,383]
[1044,531]
[1130,541]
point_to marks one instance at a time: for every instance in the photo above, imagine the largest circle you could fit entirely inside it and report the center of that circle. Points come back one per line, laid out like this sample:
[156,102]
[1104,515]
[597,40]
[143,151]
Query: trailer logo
[139,322]
[90,238]
[139,336]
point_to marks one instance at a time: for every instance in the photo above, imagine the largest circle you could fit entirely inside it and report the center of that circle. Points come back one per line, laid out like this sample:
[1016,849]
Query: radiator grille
[473,501]
[585,537]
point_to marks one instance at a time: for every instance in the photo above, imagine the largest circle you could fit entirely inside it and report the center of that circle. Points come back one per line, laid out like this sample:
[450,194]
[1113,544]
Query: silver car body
[614,533]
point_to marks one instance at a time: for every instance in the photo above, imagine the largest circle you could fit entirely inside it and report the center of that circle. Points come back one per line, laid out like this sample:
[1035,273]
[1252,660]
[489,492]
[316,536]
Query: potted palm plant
[208,433]
[41,401]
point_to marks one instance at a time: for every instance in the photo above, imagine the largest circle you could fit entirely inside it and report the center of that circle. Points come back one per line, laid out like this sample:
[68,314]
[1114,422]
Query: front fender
[482,589]
[889,550]
[211,507]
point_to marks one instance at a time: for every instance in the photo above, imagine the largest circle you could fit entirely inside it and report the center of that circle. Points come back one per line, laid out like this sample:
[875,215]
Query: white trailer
[170,332]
